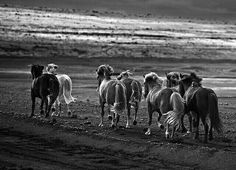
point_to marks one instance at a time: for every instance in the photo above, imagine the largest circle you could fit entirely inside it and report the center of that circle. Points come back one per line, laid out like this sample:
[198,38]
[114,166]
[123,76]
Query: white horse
[112,92]
[165,101]
[64,92]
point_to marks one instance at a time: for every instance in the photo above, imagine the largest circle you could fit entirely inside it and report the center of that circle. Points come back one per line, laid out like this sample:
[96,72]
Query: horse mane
[196,78]
[105,70]
[36,70]
[124,73]
[150,77]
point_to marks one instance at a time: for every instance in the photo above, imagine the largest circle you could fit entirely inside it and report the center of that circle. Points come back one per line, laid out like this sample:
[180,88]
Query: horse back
[198,100]
[107,91]
[160,99]
[46,84]
[132,86]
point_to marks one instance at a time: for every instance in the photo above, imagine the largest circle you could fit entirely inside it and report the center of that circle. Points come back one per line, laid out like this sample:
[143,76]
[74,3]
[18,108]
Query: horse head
[187,81]
[151,80]
[104,72]
[36,70]
[124,74]
[173,79]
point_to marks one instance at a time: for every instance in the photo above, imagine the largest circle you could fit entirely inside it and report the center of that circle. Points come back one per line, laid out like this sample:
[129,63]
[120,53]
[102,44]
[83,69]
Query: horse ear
[143,75]
[181,76]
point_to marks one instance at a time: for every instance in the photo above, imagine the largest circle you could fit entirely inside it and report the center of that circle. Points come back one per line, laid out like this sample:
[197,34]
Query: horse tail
[174,116]
[67,88]
[214,113]
[136,93]
[120,99]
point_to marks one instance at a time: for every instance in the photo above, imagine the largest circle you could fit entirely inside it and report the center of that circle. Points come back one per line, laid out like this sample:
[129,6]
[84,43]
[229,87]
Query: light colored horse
[65,93]
[112,92]
[164,101]
[172,81]
[133,93]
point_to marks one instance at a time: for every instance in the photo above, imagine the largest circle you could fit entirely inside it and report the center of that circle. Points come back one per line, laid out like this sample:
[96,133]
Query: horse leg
[117,118]
[182,124]
[190,123]
[54,109]
[102,114]
[205,128]
[47,109]
[50,102]
[148,132]
[41,107]
[33,106]
[173,131]
[158,121]
[135,113]
[109,113]
[128,114]
[167,134]
[195,126]
[210,132]
[68,110]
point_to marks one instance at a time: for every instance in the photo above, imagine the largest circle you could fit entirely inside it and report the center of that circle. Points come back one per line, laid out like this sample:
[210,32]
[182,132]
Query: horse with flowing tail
[165,101]
[112,92]
[65,93]
[44,86]
[133,93]
[203,104]
[172,81]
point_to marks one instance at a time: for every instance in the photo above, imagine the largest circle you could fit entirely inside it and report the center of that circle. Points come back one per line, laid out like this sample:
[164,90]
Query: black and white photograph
[117,84]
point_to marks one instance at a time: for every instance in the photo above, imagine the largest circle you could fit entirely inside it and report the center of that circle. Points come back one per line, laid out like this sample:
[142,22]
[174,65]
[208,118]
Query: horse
[112,92]
[65,93]
[203,104]
[165,101]
[133,92]
[44,86]
[172,81]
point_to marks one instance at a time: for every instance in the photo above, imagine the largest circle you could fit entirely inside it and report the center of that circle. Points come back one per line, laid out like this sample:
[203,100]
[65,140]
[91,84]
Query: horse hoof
[113,126]
[109,117]
[32,115]
[134,122]
[53,109]
[148,133]
[162,127]
[47,115]
[69,113]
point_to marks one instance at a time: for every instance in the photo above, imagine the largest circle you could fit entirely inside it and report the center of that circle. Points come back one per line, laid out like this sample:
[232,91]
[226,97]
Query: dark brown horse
[44,86]
[133,93]
[202,103]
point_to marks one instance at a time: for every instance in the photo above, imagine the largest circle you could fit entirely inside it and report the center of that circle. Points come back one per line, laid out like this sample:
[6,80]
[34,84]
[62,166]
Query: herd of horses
[174,97]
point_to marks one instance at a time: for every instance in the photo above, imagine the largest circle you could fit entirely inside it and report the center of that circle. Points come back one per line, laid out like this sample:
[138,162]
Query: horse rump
[120,99]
